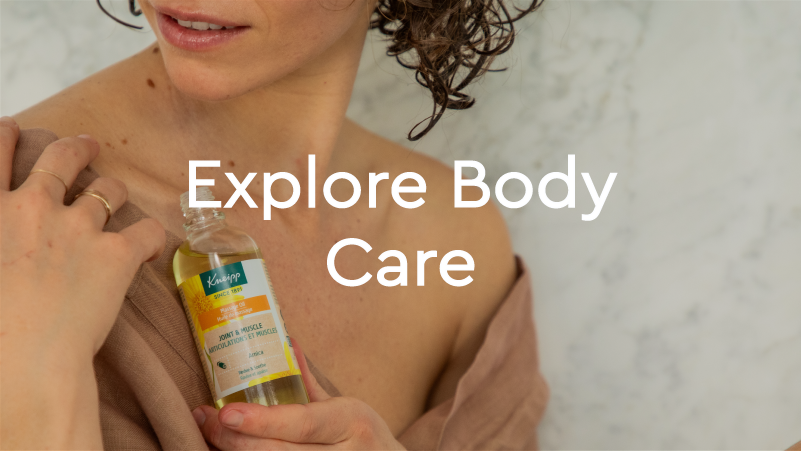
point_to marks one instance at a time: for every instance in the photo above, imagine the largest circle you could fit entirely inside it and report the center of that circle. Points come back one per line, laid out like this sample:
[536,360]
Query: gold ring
[44,171]
[97,195]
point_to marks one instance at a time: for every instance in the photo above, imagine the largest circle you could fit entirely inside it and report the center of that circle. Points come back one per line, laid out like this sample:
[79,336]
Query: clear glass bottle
[231,307]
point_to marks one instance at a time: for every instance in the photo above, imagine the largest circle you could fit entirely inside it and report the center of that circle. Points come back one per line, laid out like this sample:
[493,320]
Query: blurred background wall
[672,320]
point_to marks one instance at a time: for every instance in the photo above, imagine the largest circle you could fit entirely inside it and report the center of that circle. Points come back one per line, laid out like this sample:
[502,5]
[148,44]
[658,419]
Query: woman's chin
[208,92]
[206,87]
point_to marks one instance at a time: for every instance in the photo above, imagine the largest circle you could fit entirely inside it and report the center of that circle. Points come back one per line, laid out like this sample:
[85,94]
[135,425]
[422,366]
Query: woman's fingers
[325,422]
[9,134]
[64,158]
[146,239]
[224,438]
[91,203]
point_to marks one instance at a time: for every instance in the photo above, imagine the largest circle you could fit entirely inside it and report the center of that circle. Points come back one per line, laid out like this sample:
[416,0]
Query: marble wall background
[671,321]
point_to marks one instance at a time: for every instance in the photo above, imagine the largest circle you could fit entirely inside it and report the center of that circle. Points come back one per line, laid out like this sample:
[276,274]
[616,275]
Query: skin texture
[262,104]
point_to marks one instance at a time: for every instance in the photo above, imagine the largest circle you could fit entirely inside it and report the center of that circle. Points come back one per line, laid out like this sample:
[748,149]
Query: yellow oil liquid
[285,390]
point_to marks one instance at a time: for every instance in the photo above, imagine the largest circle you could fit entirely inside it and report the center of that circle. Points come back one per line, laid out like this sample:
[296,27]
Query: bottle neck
[201,219]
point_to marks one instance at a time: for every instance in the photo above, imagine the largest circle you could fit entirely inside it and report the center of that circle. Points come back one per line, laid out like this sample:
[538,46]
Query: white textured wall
[673,321]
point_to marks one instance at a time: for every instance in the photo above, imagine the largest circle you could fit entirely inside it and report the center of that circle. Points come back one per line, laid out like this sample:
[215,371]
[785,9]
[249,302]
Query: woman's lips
[196,40]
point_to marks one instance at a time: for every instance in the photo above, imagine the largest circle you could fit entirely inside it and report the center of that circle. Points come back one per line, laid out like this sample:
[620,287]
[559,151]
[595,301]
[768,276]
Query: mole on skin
[150,83]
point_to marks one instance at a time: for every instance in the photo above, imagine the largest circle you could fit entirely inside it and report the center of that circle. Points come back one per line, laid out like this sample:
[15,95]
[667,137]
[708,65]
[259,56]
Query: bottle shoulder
[207,251]
[222,239]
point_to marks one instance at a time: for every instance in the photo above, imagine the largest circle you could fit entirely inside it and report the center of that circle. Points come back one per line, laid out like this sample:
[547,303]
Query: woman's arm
[62,283]
[49,395]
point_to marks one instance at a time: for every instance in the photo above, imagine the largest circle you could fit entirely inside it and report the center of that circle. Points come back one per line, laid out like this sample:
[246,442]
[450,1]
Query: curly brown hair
[453,43]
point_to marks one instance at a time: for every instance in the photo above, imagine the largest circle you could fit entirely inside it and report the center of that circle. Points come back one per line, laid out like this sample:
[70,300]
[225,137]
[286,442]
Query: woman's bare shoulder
[480,231]
[437,225]
[92,105]
[65,111]
[53,114]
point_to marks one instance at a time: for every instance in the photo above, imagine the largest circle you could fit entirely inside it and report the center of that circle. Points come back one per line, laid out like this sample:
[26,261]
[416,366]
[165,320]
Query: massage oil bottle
[228,298]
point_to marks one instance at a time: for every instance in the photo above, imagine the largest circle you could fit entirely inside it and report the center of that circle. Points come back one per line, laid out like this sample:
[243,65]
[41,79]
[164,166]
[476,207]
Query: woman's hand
[63,282]
[324,423]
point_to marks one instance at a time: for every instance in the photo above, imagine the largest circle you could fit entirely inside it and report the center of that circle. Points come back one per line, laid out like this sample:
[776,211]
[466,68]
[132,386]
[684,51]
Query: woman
[258,84]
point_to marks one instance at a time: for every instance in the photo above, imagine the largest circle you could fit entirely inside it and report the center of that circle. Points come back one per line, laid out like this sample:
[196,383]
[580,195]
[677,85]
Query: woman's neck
[299,114]
[270,129]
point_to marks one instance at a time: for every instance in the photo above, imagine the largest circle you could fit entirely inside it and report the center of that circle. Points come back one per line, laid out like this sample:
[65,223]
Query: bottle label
[238,327]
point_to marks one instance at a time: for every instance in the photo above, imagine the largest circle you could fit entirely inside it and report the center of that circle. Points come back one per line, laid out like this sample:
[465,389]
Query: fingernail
[86,137]
[232,418]
[7,119]
[199,416]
